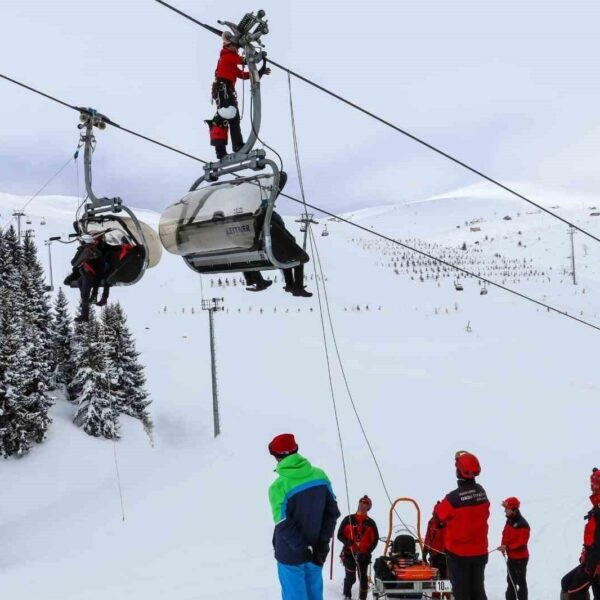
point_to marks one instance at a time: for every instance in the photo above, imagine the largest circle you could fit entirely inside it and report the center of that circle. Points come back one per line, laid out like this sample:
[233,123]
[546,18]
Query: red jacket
[590,557]
[229,65]
[465,512]
[358,533]
[515,537]
[434,538]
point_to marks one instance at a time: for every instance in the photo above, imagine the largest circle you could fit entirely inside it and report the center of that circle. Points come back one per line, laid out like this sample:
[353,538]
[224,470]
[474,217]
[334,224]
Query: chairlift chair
[483,291]
[458,286]
[43,221]
[324,233]
[230,227]
[112,219]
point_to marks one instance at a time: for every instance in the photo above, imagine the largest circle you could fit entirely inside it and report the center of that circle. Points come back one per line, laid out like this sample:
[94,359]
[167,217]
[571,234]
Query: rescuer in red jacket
[575,583]
[229,69]
[515,537]
[434,545]
[464,513]
[358,533]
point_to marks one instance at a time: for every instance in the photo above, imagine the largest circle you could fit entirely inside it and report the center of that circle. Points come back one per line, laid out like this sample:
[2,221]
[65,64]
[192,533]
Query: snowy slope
[520,390]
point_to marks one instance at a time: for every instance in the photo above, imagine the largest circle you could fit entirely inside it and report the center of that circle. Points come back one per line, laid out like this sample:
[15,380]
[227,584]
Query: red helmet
[595,480]
[467,465]
[512,503]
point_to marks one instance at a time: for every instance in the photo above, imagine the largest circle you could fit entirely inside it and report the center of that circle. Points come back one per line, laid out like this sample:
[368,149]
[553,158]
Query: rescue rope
[114,443]
[339,218]
[71,159]
[394,127]
[510,576]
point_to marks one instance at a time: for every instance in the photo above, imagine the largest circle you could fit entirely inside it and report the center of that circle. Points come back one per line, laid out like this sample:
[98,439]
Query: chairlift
[483,291]
[28,221]
[43,221]
[458,286]
[231,226]
[324,233]
[102,218]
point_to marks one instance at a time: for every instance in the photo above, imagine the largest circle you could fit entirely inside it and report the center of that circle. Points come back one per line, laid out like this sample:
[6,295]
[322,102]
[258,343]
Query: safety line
[395,127]
[341,219]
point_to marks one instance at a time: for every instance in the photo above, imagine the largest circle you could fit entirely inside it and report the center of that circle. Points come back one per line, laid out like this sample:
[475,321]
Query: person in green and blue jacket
[305,512]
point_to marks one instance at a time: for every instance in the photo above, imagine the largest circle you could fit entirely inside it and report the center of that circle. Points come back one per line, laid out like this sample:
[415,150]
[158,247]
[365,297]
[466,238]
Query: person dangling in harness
[89,264]
[229,70]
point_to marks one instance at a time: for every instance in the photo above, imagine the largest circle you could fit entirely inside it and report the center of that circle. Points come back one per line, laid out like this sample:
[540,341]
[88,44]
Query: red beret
[283,444]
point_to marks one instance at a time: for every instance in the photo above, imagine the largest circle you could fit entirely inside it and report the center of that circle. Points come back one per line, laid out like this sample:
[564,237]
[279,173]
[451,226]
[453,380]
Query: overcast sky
[509,86]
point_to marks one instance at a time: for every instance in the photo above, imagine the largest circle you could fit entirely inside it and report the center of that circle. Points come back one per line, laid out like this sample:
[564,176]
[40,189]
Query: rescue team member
[305,512]
[359,535]
[515,537]
[434,545]
[229,70]
[465,512]
[575,583]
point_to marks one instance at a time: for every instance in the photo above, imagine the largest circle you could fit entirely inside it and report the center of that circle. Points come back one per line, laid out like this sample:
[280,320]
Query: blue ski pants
[300,582]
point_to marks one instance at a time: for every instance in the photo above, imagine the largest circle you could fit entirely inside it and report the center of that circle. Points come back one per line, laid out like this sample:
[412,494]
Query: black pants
[516,578]
[439,562]
[352,566]
[86,285]
[294,277]
[467,574]
[576,580]
[226,96]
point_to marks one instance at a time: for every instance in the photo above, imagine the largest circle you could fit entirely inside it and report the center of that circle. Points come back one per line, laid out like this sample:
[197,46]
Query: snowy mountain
[431,369]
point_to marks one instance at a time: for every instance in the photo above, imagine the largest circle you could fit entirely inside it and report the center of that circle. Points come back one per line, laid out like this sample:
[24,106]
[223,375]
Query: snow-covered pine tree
[36,344]
[79,329]
[96,403]
[15,416]
[127,372]
[62,341]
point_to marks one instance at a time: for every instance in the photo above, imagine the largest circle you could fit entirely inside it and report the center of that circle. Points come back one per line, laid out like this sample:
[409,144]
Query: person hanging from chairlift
[359,534]
[284,243]
[229,70]
[89,266]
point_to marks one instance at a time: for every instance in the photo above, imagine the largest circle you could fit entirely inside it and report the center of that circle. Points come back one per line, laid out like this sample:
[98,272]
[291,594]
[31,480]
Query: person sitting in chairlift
[229,70]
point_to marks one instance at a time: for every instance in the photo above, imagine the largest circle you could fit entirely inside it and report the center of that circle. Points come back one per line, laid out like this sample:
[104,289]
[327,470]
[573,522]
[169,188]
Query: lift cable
[395,128]
[337,217]
[318,268]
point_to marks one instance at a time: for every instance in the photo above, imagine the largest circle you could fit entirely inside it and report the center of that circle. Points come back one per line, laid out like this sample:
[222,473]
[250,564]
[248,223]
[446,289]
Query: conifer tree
[127,374]
[62,341]
[96,403]
[18,418]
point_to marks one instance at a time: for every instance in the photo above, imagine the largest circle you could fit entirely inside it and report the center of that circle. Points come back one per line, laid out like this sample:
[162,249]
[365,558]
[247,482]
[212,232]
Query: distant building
[507,218]
[475,228]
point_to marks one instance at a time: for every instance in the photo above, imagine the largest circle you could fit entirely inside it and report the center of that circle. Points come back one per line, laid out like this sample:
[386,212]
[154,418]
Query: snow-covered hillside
[518,386]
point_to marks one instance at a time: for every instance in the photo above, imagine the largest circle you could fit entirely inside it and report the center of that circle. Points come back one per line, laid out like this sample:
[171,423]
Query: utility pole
[572,233]
[306,219]
[48,242]
[18,214]
[212,305]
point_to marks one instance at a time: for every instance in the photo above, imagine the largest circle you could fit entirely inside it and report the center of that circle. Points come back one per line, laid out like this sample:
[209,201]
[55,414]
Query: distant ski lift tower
[572,233]
[212,305]
[306,219]
[19,214]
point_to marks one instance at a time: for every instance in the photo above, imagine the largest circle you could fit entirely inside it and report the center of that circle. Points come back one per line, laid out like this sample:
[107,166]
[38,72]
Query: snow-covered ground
[520,389]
